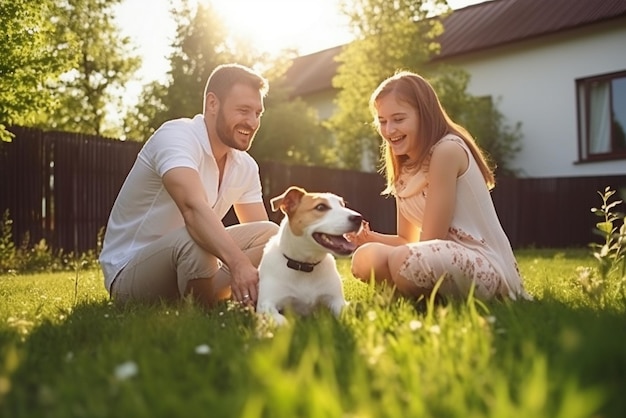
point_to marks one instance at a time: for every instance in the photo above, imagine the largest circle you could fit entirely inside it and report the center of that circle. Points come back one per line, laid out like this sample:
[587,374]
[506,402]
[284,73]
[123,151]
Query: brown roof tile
[499,22]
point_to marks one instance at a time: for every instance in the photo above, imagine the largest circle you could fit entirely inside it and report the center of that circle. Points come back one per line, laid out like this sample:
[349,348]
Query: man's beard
[227,137]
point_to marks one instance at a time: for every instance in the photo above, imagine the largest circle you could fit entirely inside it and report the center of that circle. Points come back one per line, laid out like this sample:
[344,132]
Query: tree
[480,116]
[388,36]
[290,130]
[28,61]
[201,44]
[104,63]
[391,36]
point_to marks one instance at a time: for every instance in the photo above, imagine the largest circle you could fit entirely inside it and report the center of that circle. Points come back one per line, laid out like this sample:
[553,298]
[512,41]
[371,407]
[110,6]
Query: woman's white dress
[476,250]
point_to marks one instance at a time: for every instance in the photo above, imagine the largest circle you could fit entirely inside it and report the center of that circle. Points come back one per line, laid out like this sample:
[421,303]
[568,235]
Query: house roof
[312,73]
[475,28]
[499,22]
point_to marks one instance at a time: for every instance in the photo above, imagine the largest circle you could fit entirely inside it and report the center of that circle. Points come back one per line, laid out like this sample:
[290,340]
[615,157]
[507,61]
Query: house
[557,66]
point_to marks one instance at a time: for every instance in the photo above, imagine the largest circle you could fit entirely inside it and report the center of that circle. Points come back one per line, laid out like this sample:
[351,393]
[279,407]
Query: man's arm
[251,212]
[184,186]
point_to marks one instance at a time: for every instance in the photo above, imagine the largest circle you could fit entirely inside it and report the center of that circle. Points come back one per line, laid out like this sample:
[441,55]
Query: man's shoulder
[192,124]
[181,130]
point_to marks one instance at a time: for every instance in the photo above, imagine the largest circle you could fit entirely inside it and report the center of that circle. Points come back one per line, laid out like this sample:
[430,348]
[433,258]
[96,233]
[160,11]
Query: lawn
[66,351]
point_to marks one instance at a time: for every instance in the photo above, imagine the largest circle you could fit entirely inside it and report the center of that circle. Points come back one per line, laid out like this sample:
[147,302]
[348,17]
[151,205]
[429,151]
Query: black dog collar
[300,266]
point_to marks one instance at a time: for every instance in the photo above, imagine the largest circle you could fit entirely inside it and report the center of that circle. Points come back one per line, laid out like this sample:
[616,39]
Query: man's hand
[244,283]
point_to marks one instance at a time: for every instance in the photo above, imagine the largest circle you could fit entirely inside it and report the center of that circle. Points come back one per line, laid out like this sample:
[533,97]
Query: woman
[447,226]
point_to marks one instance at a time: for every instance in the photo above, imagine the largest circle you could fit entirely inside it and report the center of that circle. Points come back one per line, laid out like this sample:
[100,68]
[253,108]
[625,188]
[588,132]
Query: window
[602,117]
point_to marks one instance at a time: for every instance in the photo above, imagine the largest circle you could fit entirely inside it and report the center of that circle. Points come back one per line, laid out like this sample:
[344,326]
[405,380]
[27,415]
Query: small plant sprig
[7,247]
[611,254]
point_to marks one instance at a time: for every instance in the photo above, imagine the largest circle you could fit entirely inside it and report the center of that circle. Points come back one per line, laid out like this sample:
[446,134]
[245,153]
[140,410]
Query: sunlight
[274,25]
[305,26]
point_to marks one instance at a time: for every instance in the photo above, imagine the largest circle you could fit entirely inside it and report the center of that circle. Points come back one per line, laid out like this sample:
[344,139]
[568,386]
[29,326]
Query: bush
[38,257]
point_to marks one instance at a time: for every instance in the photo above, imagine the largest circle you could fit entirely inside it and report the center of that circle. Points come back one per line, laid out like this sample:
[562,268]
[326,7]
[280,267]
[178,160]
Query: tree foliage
[480,115]
[202,42]
[64,64]
[389,35]
[105,63]
[28,60]
[398,35]
[291,131]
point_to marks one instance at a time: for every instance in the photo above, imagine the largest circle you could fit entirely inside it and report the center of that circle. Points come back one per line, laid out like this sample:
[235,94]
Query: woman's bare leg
[371,261]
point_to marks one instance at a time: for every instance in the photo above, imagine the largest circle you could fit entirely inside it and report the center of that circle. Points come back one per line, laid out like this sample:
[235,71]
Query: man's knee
[267,229]
[206,292]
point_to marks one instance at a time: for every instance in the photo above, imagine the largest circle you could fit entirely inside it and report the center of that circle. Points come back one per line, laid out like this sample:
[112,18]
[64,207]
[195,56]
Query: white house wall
[535,83]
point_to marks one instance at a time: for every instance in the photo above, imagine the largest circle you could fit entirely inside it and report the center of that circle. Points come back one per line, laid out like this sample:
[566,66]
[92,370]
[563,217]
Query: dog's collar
[299,265]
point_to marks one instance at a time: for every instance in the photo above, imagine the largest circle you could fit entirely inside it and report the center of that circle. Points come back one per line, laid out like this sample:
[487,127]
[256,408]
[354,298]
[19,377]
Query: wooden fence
[60,187]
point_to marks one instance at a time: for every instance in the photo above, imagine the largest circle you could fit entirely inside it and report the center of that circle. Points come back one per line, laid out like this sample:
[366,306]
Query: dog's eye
[322,207]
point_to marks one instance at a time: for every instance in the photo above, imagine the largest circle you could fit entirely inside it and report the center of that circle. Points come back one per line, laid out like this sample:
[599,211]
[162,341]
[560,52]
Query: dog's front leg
[265,309]
[336,305]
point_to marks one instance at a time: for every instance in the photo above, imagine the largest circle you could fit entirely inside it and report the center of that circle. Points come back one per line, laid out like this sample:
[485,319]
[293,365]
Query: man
[164,238]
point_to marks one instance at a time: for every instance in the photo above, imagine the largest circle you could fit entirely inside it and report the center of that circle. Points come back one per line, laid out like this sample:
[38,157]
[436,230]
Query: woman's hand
[361,236]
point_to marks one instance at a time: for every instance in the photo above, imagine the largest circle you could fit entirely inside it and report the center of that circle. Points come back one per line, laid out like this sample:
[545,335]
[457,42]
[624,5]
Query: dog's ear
[287,201]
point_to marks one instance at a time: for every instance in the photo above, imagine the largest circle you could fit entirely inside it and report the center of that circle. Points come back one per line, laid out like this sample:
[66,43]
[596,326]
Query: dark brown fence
[60,187]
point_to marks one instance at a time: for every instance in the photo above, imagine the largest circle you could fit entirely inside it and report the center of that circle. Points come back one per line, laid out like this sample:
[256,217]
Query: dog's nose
[355,219]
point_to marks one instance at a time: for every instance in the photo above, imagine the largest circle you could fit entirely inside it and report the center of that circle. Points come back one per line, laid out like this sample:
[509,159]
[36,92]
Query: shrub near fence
[60,187]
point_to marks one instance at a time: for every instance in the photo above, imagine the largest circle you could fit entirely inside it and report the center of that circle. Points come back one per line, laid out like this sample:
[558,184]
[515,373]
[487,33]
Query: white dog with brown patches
[298,270]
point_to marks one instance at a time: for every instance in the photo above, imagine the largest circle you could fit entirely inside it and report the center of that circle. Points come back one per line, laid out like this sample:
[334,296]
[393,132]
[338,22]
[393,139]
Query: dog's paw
[336,307]
[273,318]
[280,319]
[270,314]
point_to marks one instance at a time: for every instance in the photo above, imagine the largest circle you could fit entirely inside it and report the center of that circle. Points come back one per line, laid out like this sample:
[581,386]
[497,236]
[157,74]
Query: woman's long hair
[433,124]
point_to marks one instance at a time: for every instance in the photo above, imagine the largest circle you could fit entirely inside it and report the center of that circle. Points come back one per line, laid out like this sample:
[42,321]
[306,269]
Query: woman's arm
[448,161]
[407,232]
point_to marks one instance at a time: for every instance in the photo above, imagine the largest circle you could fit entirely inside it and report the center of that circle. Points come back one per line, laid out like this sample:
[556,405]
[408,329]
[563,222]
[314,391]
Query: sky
[273,24]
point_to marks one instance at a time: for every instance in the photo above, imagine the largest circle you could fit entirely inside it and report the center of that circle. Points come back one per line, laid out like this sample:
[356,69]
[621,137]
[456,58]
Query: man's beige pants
[162,270]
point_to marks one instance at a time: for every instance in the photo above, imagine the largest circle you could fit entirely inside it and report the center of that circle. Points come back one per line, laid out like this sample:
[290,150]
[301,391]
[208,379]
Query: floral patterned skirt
[460,267]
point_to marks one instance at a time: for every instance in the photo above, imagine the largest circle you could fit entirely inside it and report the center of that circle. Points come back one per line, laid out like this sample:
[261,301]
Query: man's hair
[225,76]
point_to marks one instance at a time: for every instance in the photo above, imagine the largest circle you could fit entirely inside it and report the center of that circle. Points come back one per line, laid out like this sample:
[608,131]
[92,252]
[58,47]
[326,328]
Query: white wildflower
[126,370]
[415,325]
[435,329]
[203,349]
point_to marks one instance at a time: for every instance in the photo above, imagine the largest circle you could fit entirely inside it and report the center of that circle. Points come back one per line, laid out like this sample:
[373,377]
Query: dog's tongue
[344,246]
[336,243]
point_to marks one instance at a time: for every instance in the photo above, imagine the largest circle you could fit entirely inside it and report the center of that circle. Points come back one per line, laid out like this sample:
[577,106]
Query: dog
[298,269]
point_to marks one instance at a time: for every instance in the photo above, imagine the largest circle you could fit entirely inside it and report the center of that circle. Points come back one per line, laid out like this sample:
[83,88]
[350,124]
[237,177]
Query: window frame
[583,113]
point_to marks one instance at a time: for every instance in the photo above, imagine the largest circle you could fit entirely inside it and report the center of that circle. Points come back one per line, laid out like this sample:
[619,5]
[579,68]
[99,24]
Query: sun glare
[274,25]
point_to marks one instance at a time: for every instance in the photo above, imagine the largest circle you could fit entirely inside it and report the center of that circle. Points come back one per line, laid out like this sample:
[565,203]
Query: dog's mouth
[335,243]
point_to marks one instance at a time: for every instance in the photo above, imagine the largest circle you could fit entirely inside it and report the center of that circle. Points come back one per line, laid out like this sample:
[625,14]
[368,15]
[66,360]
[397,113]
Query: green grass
[62,345]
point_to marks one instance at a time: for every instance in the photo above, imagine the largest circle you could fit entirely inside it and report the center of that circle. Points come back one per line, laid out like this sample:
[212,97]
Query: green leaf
[605,227]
